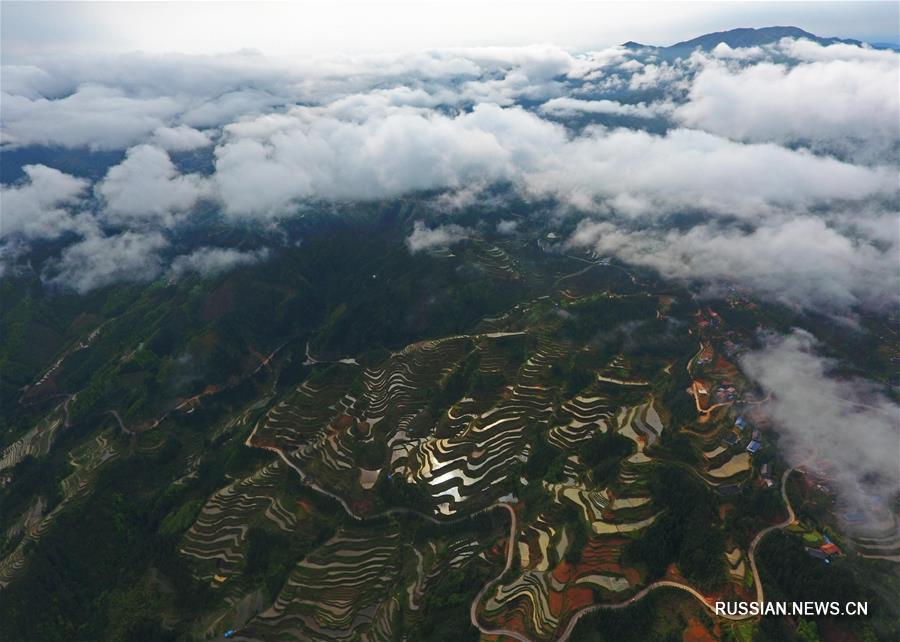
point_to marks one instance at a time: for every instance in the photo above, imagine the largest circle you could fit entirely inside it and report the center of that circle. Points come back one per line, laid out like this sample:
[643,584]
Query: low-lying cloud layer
[425,238]
[793,260]
[212,260]
[97,261]
[779,161]
[840,427]
[146,189]
[41,206]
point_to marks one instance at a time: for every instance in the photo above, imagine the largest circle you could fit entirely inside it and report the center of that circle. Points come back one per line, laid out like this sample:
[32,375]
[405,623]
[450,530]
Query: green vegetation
[688,533]
[272,554]
[602,453]
[89,556]
[790,574]
[658,618]
[446,611]
[180,519]
[545,461]
[579,533]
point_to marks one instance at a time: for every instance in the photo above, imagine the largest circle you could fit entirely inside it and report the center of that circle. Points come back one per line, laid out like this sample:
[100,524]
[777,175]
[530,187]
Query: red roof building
[830,549]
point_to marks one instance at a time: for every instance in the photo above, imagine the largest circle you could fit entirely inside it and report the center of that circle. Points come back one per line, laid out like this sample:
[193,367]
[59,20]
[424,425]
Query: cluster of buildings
[725,392]
[755,436]
[732,437]
[731,348]
[708,320]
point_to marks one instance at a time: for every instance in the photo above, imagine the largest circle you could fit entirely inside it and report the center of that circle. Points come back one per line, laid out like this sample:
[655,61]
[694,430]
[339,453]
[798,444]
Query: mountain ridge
[743,37]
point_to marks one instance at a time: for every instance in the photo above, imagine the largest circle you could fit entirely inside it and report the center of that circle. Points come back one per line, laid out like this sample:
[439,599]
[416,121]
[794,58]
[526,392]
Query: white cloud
[638,173]
[180,139]
[213,260]
[798,261]
[33,82]
[631,65]
[849,106]
[565,106]
[114,102]
[289,132]
[844,421]
[425,238]
[146,188]
[94,116]
[268,163]
[722,50]
[653,75]
[39,207]
[809,51]
[507,226]
[98,261]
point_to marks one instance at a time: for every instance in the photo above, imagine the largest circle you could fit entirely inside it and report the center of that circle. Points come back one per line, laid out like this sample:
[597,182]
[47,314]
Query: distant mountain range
[745,37]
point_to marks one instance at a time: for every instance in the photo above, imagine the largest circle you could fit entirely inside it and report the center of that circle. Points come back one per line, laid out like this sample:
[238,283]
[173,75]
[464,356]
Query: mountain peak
[749,37]
[741,37]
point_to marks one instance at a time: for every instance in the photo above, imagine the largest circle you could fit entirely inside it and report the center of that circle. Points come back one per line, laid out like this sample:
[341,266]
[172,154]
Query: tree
[807,631]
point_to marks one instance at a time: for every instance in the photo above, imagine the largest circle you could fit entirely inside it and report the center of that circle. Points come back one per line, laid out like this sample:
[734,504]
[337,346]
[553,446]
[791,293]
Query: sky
[344,27]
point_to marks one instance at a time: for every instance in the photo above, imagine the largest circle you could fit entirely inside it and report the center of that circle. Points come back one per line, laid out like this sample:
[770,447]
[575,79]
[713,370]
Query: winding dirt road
[473,610]
[118,418]
[751,554]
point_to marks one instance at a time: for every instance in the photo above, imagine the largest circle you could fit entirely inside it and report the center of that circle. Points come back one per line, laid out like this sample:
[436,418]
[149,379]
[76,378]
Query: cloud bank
[834,104]
[97,261]
[43,205]
[146,188]
[843,428]
[779,161]
[798,261]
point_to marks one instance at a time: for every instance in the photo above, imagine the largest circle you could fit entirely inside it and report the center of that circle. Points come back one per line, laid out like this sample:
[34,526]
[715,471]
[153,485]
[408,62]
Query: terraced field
[556,582]
[344,590]
[37,441]
[85,462]
[352,431]
[217,539]
[464,472]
